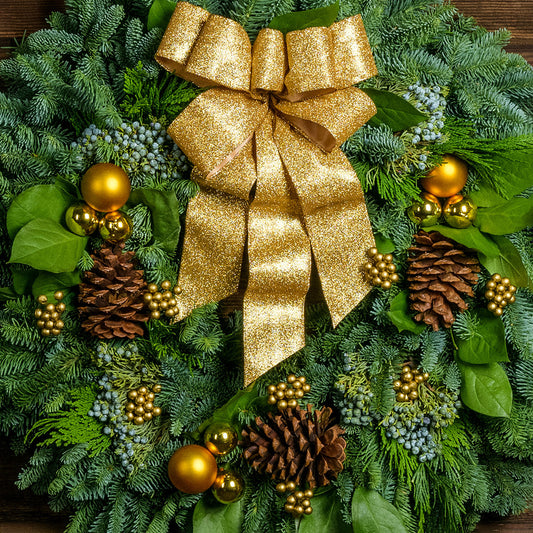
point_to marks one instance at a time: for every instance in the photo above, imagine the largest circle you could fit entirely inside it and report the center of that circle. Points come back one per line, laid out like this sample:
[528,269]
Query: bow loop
[269,61]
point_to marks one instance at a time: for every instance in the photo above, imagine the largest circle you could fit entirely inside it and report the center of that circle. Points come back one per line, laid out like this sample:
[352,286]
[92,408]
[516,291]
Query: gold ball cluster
[140,407]
[287,394]
[499,293]
[162,301]
[298,501]
[407,386]
[380,270]
[48,315]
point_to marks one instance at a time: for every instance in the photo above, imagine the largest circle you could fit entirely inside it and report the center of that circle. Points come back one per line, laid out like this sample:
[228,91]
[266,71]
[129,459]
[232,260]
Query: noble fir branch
[72,426]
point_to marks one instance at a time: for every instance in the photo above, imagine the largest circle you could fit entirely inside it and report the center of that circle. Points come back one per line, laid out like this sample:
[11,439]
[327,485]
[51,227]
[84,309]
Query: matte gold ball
[81,219]
[105,187]
[447,179]
[115,227]
[426,211]
[228,487]
[220,438]
[192,469]
[459,212]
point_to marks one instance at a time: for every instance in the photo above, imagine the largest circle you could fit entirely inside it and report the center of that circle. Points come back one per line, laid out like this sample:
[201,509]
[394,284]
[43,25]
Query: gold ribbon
[274,119]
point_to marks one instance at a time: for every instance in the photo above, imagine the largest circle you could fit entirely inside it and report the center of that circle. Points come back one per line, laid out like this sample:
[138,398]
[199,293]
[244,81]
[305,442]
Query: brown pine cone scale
[111,295]
[296,445]
[441,272]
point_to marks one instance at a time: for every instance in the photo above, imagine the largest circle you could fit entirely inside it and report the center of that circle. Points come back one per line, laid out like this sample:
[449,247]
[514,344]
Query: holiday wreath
[122,363]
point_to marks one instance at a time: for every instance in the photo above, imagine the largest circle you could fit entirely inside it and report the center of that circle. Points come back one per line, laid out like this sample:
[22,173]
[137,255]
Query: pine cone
[440,273]
[296,445]
[111,295]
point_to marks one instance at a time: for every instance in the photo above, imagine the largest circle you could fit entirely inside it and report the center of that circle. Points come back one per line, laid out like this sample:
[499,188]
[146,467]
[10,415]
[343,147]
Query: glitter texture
[283,135]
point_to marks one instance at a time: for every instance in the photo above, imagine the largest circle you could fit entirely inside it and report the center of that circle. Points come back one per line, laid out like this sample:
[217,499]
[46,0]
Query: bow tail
[279,263]
[212,253]
[335,217]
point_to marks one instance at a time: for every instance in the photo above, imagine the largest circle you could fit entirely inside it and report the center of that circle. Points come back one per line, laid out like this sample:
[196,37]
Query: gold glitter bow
[274,119]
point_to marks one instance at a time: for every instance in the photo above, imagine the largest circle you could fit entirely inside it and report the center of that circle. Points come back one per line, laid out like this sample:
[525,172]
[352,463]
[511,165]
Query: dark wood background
[23,512]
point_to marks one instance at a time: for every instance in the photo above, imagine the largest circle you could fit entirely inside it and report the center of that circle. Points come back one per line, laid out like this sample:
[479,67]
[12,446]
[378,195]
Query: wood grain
[24,512]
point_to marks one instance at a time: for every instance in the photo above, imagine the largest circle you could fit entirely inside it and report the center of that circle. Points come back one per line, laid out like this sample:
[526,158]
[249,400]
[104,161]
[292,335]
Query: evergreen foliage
[92,73]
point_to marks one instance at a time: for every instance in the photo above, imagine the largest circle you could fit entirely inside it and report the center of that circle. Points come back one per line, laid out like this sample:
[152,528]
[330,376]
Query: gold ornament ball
[228,487]
[220,438]
[459,212]
[115,227]
[447,179]
[81,219]
[192,469]
[426,211]
[105,187]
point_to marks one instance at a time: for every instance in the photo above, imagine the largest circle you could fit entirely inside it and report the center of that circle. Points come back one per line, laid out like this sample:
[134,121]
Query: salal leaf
[486,389]
[371,513]
[470,237]
[41,201]
[486,344]
[217,517]
[299,20]
[326,516]
[393,110]
[509,217]
[45,245]
[160,13]
[399,314]
[48,283]
[384,244]
[506,262]
[165,215]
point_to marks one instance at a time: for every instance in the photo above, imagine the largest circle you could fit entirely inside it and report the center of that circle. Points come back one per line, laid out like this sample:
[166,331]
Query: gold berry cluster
[162,301]
[499,293]
[380,270]
[407,386]
[48,315]
[140,407]
[297,502]
[287,394]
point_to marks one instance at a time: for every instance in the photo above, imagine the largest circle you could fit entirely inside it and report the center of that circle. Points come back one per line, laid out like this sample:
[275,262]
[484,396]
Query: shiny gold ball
[279,395]
[291,500]
[132,394]
[308,493]
[140,399]
[42,299]
[408,376]
[115,227]
[288,507]
[492,306]
[298,510]
[299,495]
[45,332]
[292,404]
[397,384]
[489,295]
[496,277]
[55,331]
[281,386]
[138,420]
[130,416]
[289,393]
[281,487]
[150,396]
[139,410]
[58,295]
[220,438]
[498,311]
[177,290]
[306,387]
[148,416]
[291,485]
[130,407]
[40,323]
[157,411]
[38,313]
[105,187]
[272,399]
[426,211]
[447,179]
[308,510]
[81,219]
[271,389]
[386,285]
[49,324]
[426,376]
[306,503]
[142,390]
[371,252]
[459,212]
[156,388]
[401,397]
[282,404]
[405,388]
[228,487]
[156,315]
[51,308]
[413,395]
[192,469]
[299,393]
[166,285]
[61,307]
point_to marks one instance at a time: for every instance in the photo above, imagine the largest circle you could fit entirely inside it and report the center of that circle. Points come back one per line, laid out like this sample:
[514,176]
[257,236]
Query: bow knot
[274,117]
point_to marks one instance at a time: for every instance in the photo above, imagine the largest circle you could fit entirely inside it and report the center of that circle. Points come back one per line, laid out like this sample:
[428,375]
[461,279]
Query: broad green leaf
[371,513]
[486,389]
[45,245]
[470,237]
[160,13]
[229,411]
[326,516]
[502,219]
[399,314]
[22,280]
[512,170]
[299,20]
[41,201]
[165,215]
[507,262]
[486,196]
[383,244]
[487,344]
[393,111]
[48,283]
[7,293]
[211,517]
